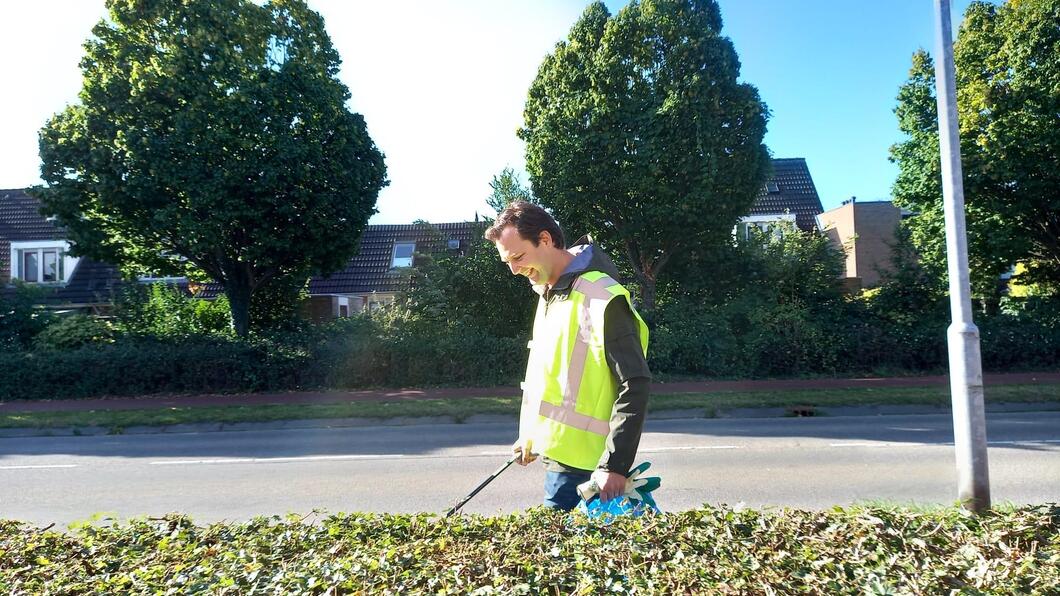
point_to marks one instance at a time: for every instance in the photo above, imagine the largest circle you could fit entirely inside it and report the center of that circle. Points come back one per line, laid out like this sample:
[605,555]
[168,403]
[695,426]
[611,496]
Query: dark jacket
[625,358]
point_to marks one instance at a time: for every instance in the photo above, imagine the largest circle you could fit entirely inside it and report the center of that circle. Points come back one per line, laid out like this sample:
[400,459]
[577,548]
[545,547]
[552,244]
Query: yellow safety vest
[569,391]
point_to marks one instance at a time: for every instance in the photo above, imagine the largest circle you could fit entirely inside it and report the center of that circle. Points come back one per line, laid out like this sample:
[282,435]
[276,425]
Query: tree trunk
[239,303]
[647,297]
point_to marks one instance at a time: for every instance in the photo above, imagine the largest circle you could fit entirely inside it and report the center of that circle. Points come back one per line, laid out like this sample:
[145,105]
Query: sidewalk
[331,397]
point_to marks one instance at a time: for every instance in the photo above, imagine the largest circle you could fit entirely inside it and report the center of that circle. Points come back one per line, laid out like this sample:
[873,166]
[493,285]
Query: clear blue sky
[829,70]
[442,85]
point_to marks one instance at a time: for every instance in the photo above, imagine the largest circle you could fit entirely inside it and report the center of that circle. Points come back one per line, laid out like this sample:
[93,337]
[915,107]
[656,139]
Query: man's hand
[524,449]
[612,484]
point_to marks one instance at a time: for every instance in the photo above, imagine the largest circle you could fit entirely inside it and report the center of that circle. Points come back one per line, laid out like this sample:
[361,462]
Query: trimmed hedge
[143,366]
[708,550]
[749,339]
[348,355]
[746,338]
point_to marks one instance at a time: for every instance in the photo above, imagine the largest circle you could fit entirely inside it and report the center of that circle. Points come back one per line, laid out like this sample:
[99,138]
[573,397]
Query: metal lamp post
[966,370]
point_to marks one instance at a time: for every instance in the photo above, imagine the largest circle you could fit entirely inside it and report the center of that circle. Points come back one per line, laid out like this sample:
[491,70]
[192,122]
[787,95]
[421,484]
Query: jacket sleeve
[625,358]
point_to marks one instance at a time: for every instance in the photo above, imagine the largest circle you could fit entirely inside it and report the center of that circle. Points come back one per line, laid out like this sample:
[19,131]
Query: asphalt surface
[798,462]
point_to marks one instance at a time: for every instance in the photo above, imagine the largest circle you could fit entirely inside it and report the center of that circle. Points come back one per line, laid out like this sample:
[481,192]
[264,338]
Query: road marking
[271,460]
[38,467]
[947,444]
[1025,442]
[692,448]
[877,445]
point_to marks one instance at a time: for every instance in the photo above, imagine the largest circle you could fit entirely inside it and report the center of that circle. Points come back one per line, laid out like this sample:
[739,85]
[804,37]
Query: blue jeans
[561,489]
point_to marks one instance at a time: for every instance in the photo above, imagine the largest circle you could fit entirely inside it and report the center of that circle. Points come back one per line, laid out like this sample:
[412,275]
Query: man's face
[523,258]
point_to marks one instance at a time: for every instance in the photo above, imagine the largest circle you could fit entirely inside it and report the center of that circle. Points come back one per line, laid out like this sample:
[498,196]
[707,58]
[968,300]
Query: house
[38,251]
[379,271]
[788,196]
[34,250]
[865,232]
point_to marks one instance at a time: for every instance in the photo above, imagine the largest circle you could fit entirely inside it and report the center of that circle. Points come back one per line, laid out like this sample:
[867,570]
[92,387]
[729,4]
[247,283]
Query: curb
[683,414]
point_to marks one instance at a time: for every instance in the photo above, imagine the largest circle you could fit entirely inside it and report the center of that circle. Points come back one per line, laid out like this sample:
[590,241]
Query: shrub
[397,350]
[74,331]
[709,550]
[473,289]
[21,317]
[132,366]
[161,310]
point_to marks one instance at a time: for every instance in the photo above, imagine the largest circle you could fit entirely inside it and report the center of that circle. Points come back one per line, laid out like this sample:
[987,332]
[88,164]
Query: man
[587,381]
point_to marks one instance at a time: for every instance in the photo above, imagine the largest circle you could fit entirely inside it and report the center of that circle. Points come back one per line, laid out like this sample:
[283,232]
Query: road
[798,462]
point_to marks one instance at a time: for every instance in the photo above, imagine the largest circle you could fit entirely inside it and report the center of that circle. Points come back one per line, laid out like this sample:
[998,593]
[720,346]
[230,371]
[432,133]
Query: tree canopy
[212,139]
[638,132]
[1008,103]
[507,188]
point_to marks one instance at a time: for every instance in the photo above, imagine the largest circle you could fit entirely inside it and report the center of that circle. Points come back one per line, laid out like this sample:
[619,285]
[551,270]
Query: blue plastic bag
[635,503]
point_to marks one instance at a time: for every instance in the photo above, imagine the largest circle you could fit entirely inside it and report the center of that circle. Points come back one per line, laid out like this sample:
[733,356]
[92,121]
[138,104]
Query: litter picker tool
[483,485]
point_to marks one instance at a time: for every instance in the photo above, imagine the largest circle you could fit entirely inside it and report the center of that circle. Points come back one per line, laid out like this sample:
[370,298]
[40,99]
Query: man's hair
[529,220]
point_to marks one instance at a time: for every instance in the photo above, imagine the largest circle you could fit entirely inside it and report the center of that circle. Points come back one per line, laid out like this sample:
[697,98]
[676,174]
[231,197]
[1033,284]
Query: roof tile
[795,193]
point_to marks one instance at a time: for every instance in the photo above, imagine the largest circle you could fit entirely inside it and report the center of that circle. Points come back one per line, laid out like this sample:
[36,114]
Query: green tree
[212,139]
[638,132]
[507,188]
[471,289]
[1008,73]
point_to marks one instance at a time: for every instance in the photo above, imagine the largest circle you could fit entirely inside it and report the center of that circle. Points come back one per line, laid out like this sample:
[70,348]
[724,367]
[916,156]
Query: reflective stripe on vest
[566,414]
[564,337]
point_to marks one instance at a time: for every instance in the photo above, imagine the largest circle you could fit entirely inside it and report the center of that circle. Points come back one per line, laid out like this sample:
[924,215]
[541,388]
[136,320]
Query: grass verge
[715,550]
[460,409]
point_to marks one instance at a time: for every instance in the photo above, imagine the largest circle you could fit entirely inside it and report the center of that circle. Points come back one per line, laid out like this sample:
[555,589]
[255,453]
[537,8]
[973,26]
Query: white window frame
[394,258]
[764,223]
[62,247]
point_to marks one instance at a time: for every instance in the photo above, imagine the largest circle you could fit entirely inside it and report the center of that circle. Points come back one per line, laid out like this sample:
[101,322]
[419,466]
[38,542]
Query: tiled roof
[92,283]
[20,220]
[370,270]
[790,190]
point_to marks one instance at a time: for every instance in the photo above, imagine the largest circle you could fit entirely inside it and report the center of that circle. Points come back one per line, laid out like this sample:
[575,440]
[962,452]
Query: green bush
[472,289]
[762,307]
[164,311]
[710,550]
[21,317]
[349,354]
[395,351]
[1024,335]
[74,331]
[276,304]
[770,307]
[144,366]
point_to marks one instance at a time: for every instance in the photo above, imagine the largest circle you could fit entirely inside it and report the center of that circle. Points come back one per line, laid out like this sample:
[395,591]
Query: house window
[29,270]
[403,254]
[40,265]
[744,229]
[770,226]
[50,266]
